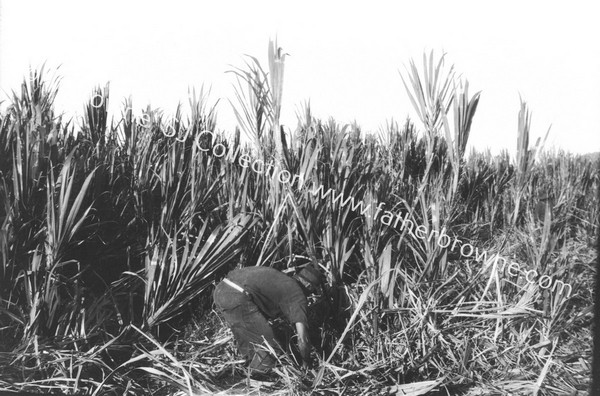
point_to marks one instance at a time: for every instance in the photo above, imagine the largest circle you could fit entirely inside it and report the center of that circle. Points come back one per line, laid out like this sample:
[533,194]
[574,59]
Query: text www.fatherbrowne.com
[388,218]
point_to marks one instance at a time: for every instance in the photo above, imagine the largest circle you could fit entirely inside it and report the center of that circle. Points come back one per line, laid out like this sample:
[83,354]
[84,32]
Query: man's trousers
[248,325]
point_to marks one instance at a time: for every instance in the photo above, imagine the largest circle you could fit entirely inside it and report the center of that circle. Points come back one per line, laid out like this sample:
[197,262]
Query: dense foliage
[114,232]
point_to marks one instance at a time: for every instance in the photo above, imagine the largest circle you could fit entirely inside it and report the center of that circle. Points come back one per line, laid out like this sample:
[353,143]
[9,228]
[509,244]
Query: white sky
[345,57]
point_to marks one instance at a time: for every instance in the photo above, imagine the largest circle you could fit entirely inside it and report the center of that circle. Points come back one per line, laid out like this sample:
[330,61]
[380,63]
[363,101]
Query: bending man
[250,295]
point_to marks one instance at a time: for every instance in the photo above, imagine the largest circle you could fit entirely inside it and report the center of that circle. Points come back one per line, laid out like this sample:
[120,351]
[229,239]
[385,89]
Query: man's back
[273,292]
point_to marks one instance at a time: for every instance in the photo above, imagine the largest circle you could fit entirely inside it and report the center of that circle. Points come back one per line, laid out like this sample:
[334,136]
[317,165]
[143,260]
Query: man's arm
[303,342]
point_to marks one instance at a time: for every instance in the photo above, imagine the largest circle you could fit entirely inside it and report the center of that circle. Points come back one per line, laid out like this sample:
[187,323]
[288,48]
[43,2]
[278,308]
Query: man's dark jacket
[275,293]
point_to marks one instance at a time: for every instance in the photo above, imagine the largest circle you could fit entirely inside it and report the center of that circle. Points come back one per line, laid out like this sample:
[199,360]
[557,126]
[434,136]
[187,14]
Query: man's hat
[310,277]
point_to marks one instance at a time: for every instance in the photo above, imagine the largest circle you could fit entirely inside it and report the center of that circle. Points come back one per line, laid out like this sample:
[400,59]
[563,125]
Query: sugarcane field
[156,250]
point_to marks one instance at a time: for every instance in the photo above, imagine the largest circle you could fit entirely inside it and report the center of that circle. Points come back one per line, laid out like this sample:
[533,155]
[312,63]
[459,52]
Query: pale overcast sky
[344,57]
